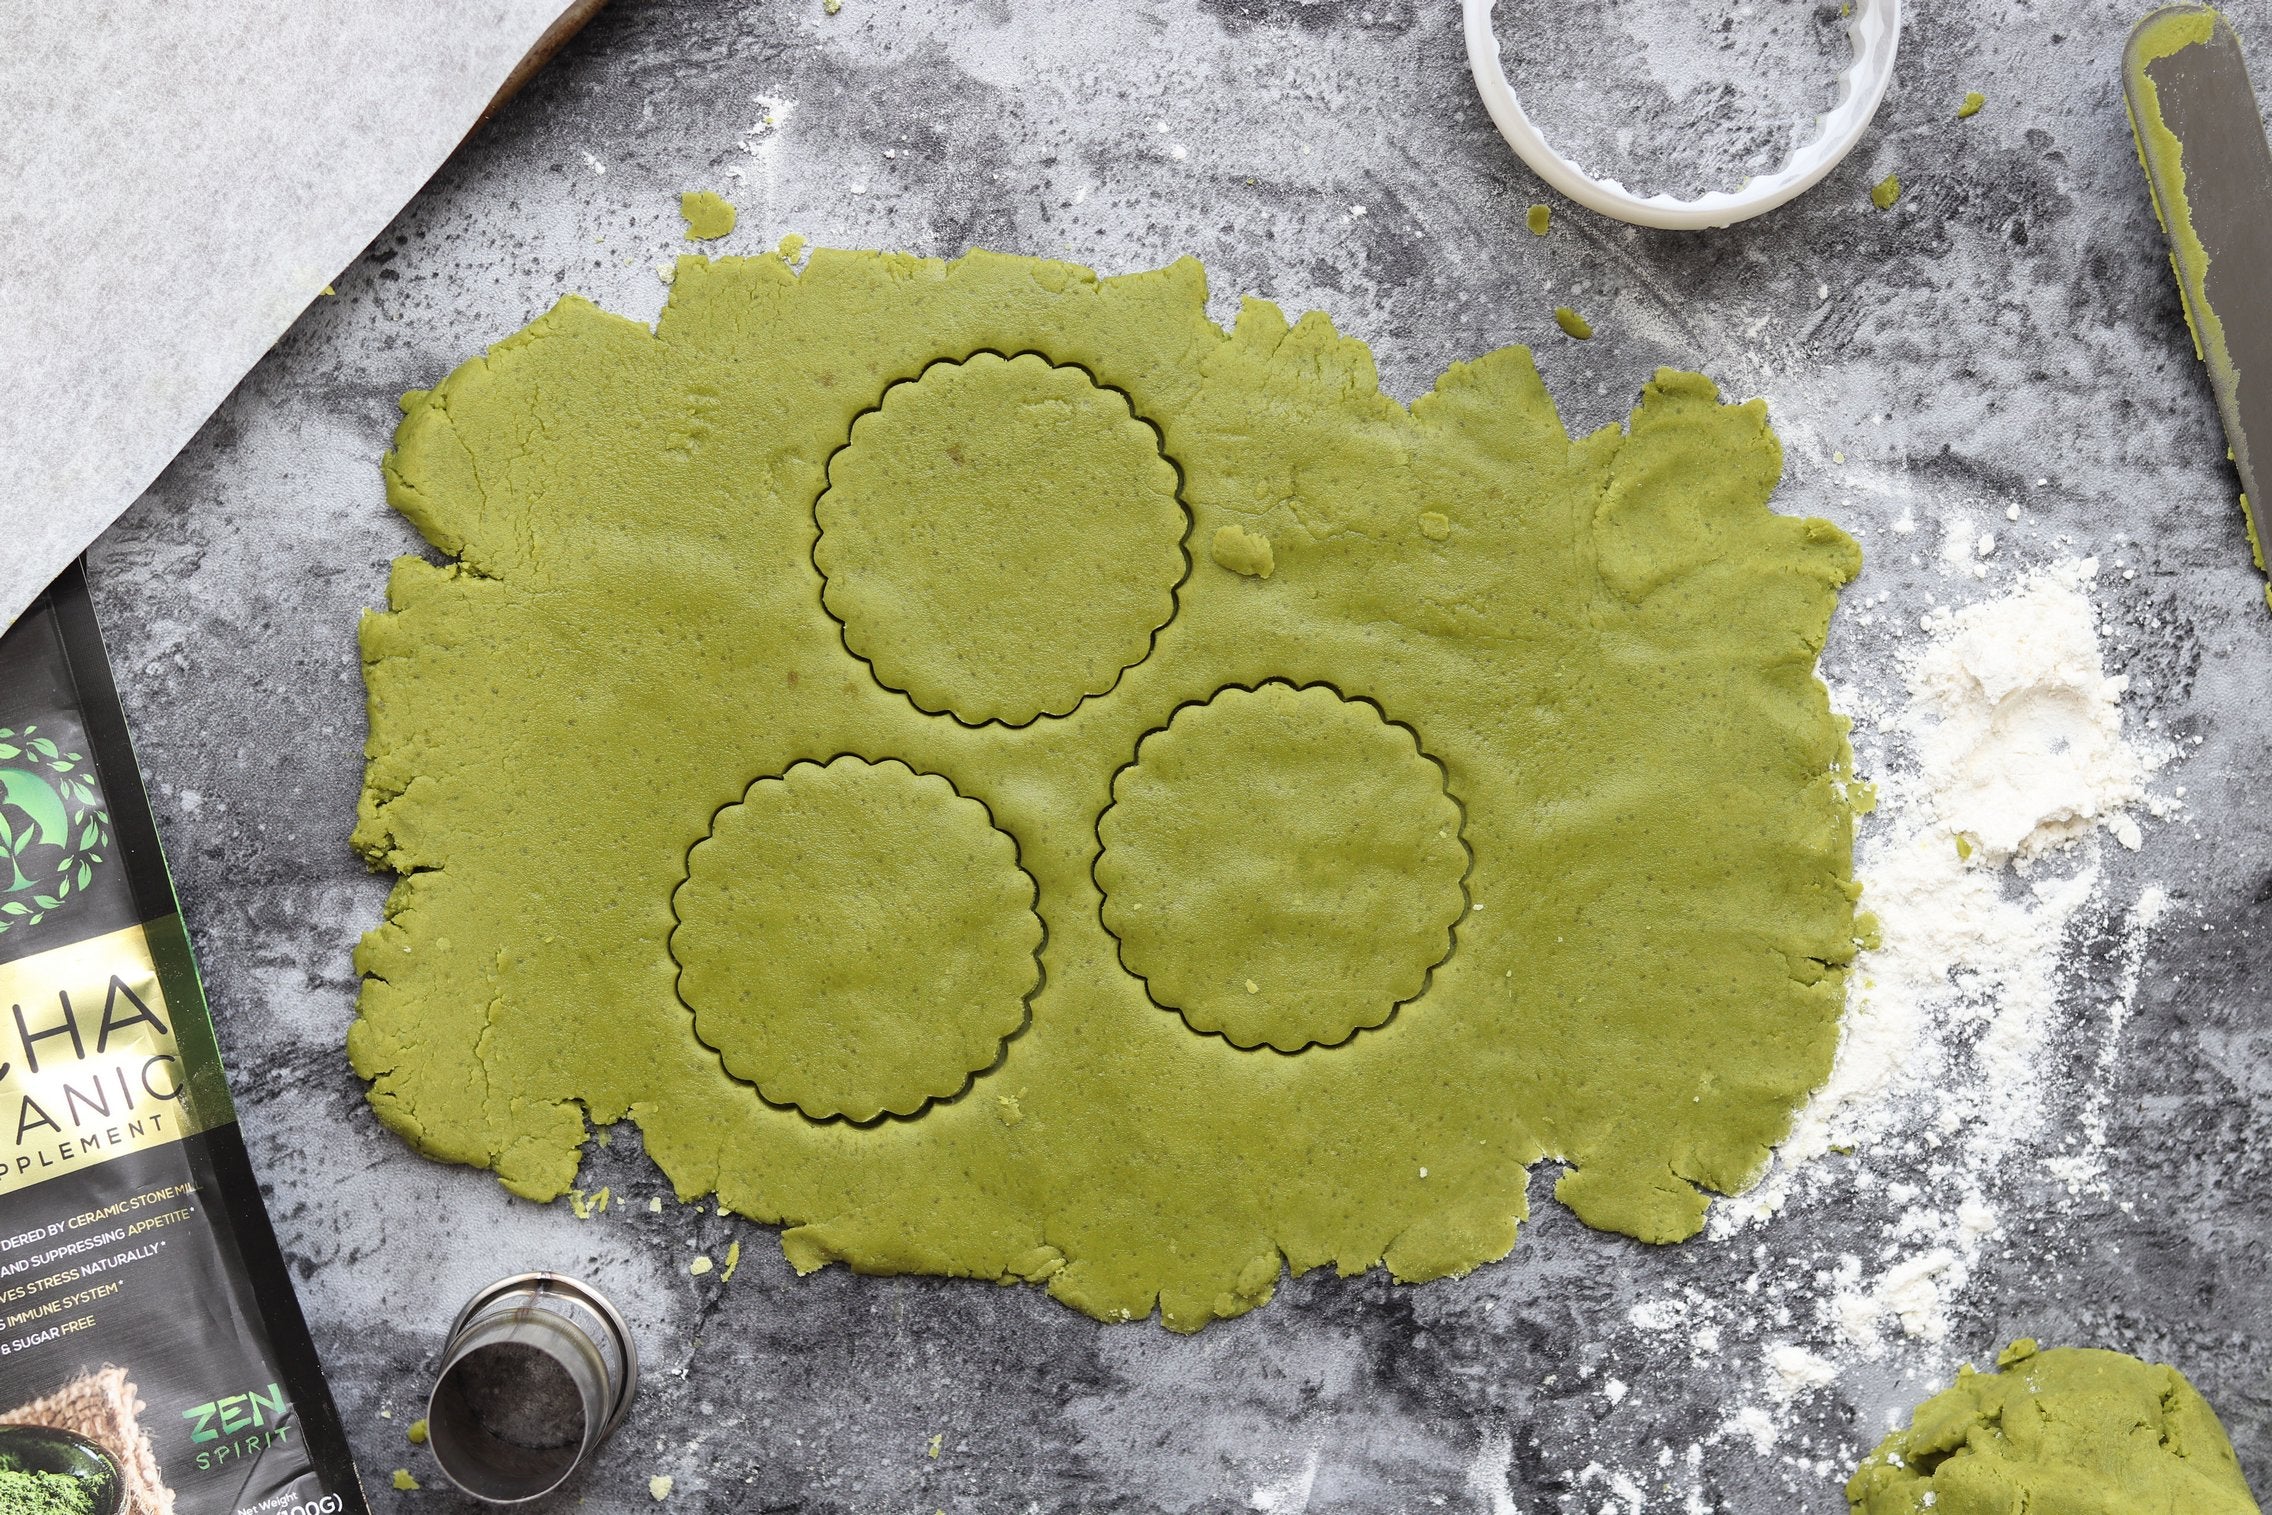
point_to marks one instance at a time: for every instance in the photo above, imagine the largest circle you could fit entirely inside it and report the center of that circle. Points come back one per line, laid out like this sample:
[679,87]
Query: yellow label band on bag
[89,1066]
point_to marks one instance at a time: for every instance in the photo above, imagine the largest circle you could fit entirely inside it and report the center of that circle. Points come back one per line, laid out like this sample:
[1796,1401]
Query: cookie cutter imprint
[1872,26]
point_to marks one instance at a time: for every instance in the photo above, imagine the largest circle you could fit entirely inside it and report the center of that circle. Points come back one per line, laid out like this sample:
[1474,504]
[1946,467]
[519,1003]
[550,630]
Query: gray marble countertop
[2012,320]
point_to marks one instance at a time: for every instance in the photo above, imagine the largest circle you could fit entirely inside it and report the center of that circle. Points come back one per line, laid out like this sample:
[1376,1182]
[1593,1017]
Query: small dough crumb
[660,1486]
[1572,323]
[1971,106]
[403,1480]
[708,216]
[831,7]
[1435,525]
[1539,218]
[1887,190]
[655,1205]
[733,1261]
[791,249]
[699,1266]
[1244,551]
[1006,1109]
[931,1450]
[417,1432]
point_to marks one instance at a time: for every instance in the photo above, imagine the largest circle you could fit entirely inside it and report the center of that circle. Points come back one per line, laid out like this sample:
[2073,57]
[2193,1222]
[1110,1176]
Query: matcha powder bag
[144,1305]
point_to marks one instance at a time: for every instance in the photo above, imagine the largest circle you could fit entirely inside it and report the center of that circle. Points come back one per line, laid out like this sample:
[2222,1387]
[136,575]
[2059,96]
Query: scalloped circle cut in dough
[1001,538]
[856,938]
[1282,866]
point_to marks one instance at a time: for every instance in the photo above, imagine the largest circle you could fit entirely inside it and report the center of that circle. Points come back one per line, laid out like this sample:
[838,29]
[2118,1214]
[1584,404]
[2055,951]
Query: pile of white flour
[1985,852]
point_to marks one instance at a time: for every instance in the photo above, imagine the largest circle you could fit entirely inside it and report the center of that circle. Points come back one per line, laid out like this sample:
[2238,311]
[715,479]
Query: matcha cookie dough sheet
[1493,814]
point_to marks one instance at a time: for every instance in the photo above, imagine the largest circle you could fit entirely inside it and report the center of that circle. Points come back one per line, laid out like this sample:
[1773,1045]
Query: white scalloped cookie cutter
[1872,26]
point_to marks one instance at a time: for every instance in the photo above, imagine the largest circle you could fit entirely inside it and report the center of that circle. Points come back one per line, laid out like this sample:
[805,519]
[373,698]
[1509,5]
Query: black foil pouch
[144,1306]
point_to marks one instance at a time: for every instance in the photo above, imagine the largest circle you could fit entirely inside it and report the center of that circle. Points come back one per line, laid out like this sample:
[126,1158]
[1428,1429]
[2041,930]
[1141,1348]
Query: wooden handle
[555,36]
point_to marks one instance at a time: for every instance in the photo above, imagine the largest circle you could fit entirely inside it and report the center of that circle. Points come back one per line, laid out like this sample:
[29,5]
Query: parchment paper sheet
[177,182]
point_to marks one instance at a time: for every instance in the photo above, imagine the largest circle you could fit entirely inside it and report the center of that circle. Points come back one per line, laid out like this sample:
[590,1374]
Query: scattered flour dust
[759,138]
[1487,1475]
[2003,768]
[1986,854]
[1289,1495]
[1793,1370]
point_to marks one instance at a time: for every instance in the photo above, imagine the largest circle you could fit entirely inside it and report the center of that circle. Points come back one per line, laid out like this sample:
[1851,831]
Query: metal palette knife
[2209,166]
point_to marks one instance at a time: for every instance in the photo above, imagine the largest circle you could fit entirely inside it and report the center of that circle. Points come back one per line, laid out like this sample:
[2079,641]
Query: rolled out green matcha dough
[2071,1431]
[1398,797]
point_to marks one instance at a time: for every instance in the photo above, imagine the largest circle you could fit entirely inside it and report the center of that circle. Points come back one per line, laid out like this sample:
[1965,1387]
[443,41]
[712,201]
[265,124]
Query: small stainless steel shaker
[538,1370]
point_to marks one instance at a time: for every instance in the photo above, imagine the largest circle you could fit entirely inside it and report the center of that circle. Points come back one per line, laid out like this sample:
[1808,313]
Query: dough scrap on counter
[708,215]
[2069,1431]
[1556,864]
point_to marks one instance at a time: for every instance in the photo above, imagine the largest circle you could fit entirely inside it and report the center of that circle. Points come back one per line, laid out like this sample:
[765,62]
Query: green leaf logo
[53,827]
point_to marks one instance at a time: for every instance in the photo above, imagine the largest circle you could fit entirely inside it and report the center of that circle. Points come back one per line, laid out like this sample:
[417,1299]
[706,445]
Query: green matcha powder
[28,1493]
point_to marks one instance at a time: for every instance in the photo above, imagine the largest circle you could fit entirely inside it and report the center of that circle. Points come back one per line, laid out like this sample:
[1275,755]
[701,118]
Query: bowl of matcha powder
[50,1472]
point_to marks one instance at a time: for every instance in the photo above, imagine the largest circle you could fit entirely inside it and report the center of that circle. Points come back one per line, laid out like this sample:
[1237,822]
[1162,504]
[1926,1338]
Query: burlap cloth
[102,1406]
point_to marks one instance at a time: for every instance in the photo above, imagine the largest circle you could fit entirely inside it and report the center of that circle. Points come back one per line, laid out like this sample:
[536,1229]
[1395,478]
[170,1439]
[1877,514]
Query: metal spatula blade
[2201,139]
